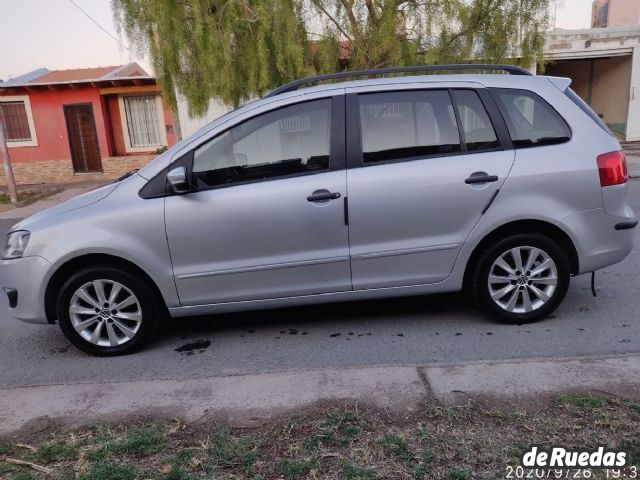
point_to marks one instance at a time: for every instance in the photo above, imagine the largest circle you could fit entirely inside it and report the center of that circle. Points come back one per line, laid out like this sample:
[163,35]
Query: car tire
[523,290]
[107,311]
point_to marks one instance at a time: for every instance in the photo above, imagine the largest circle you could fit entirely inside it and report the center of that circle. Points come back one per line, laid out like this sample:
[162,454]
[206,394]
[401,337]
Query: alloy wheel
[522,279]
[105,313]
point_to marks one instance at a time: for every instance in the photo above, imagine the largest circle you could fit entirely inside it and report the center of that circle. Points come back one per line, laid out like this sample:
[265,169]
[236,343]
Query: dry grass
[454,443]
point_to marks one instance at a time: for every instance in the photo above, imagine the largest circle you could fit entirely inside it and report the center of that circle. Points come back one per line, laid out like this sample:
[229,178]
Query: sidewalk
[69,191]
[247,400]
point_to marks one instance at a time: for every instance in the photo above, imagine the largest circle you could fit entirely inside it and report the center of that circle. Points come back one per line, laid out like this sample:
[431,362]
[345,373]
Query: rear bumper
[601,240]
[23,282]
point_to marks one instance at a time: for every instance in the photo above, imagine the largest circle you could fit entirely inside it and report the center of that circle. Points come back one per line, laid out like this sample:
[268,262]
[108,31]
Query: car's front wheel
[107,311]
[521,278]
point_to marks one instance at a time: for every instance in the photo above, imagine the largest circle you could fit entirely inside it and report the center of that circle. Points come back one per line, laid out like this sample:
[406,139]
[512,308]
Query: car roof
[480,79]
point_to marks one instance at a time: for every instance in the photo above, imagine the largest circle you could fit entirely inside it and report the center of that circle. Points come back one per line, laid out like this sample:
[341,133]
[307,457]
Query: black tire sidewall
[480,287]
[129,279]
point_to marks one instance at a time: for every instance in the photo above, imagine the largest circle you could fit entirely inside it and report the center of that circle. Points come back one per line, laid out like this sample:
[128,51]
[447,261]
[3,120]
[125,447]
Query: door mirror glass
[178,180]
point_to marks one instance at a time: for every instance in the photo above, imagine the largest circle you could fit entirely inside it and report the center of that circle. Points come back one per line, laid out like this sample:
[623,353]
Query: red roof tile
[89,74]
[74,75]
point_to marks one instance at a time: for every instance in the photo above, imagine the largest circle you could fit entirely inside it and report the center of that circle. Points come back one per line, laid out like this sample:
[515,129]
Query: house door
[83,138]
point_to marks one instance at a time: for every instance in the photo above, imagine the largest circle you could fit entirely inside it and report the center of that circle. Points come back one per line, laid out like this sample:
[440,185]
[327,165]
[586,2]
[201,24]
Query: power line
[98,24]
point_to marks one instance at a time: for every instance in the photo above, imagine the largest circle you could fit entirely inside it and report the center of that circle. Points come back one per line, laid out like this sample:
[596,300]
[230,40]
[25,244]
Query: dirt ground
[478,440]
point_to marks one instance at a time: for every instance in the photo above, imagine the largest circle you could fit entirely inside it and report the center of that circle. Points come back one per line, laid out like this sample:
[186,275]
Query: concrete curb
[248,399]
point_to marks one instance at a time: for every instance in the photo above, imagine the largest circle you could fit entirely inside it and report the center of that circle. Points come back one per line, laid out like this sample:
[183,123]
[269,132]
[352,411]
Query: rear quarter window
[573,96]
[531,121]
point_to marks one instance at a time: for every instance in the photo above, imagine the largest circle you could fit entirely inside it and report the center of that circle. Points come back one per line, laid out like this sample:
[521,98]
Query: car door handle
[320,197]
[481,177]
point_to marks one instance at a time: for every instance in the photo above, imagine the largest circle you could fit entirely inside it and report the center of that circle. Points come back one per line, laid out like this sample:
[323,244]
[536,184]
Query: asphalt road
[405,331]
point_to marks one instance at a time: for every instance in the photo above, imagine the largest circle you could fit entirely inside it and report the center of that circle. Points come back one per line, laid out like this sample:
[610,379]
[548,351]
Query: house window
[15,113]
[15,121]
[143,123]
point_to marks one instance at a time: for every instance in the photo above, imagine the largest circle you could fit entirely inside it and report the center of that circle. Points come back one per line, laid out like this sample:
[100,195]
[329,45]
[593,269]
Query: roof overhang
[76,84]
[586,53]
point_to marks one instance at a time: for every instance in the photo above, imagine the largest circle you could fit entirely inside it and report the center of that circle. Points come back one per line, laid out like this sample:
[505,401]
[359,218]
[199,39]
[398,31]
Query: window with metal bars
[16,123]
[143,123]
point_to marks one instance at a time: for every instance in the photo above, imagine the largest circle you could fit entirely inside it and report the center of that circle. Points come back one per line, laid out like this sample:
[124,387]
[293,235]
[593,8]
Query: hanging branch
[234,50]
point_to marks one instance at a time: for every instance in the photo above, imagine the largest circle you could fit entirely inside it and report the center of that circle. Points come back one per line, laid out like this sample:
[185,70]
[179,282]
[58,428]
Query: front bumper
[23,283]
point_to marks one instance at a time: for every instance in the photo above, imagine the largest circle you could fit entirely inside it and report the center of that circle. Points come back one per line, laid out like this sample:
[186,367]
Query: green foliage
[234,50]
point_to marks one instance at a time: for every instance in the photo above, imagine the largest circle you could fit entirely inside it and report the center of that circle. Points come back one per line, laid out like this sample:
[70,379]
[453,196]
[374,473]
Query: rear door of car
[424,165]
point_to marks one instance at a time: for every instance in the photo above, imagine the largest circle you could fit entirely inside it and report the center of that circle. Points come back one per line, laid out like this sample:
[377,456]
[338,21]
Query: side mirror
[178,180]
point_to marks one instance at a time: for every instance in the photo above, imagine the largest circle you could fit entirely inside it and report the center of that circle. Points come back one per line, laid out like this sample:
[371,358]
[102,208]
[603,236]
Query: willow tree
[236,49]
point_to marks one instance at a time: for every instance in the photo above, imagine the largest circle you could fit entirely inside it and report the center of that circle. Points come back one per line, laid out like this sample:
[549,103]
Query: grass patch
[353,472]
[109,471]
[579,403]
[458,475]
[295,469]
[228,452]
[21,476]
[55,452]
[5,447]
[137,441]
[396,447]
[178,473]
[337,429]
[444,443]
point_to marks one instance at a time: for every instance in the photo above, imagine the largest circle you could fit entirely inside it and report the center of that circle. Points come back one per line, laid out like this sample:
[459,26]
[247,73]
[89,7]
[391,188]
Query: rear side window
[587,109]
[531,121]
[406,125]
[474,121]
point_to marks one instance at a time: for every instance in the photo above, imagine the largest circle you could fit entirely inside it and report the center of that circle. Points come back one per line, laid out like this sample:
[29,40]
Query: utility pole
[6,162]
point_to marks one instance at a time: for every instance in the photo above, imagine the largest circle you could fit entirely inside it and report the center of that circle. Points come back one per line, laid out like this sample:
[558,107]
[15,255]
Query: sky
[55,34]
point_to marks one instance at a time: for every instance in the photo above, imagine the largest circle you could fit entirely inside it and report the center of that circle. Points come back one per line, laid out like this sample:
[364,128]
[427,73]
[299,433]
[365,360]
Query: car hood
[72,204]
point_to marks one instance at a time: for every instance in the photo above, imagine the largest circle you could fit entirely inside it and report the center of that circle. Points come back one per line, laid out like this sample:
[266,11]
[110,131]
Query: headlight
[15,244]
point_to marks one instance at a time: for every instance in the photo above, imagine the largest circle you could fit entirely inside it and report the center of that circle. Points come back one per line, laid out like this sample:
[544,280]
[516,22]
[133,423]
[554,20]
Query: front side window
[143,122]
[16,121]
[406,125]
[531,121]
[287,141]
[475,122]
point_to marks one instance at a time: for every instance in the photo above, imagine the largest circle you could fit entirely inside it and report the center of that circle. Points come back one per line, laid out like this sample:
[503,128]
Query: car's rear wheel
[107,311]
[521,278]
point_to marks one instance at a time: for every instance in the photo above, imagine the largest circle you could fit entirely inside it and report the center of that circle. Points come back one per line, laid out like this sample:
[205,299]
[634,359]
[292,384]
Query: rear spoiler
[561,83]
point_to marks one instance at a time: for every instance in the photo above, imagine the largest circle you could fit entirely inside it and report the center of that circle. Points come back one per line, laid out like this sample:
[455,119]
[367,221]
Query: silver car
[503,185]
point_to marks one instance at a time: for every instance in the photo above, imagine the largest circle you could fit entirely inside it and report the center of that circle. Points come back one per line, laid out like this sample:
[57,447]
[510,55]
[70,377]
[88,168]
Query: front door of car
[266,219]
[425,166]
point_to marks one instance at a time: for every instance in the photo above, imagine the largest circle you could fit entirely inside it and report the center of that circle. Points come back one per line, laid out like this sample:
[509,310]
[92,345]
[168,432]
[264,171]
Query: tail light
[612,167]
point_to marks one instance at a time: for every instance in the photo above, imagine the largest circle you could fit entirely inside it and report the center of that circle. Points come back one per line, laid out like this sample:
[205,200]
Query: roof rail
[292,86]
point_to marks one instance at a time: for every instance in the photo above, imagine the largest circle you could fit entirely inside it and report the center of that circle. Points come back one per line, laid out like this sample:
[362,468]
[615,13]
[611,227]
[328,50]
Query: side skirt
[446,285]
